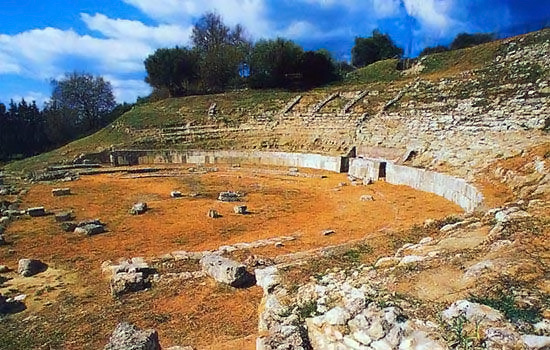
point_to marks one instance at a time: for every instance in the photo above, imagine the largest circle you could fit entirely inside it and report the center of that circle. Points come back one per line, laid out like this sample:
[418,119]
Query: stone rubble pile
[129,276]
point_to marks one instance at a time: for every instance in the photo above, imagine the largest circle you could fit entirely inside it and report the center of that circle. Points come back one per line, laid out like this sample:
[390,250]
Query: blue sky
[41,40]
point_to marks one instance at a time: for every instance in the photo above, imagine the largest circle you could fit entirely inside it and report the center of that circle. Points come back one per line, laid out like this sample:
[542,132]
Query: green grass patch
[381,71]
[505,303]
[461,60]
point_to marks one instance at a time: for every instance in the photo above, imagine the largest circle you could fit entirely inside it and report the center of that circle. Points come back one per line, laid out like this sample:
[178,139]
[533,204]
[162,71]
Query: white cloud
[250,13]
[386,8]
[432,14]
[167,35]
[306,30]
[128,90]
[39,53]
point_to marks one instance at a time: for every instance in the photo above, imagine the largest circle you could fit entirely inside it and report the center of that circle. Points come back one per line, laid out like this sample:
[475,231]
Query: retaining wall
[302,160]
[454,189]
[365,168]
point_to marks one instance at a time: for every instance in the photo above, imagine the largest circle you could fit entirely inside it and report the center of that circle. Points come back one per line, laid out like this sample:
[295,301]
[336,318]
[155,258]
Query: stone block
[240,209]
[30,267]
[36,211]
[127,336]
[138,208]
[57,192]
[90,229]
[226,271]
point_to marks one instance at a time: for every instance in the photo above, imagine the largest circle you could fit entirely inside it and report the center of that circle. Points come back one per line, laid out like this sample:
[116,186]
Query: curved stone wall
[302,160]
[454,189]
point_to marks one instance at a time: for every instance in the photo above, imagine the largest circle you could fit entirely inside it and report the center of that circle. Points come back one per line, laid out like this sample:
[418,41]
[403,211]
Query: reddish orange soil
[193,312]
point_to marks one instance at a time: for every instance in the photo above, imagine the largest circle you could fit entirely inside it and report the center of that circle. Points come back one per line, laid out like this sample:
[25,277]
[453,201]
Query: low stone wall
[452,188]
[302,160]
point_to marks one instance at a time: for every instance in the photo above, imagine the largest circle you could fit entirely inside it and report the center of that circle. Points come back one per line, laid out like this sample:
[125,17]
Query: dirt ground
[76,310]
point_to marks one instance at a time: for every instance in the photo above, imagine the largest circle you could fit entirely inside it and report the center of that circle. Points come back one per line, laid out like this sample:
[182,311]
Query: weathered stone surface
[36,212]
[240,209]
[327,232]
[64,216]
[176,194]
[229,196]
[536,342]
[502,338]
[226,271]
[30,267]
[129,337]
[387,262]
[69,226]
[366,198]
[90,229]
[127,282]
[472,311]
[57,192]
[138,208]
[213,214]
[267,278]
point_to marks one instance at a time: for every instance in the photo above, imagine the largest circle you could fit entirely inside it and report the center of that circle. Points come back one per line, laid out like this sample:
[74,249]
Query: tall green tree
[175,69]
[375,48]
[273,63]
[222,51]
[87,98]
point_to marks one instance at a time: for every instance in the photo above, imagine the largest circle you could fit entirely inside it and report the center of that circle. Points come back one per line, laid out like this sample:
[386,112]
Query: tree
[273,63]
[431,50]
[375,48]
[464,40]
[86,98]
[317,68]
[222,51]
[176,70]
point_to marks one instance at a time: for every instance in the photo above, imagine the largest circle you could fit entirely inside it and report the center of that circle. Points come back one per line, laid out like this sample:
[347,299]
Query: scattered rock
[240,209]
[176,194]
[366,198]
[30,267]
[213,214]
[387,262]
[327,232]
[411,259]
[267,278]
[4,269]
[509,214]
[127,282]
[129,275]
[69,226]
[225,271]
[536,342]
[36,212]
[64,216]
[472,311]
[502,338]
[138,208]
[57,192]
[229,196]
[129,337]
[90,229]
[2,240]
